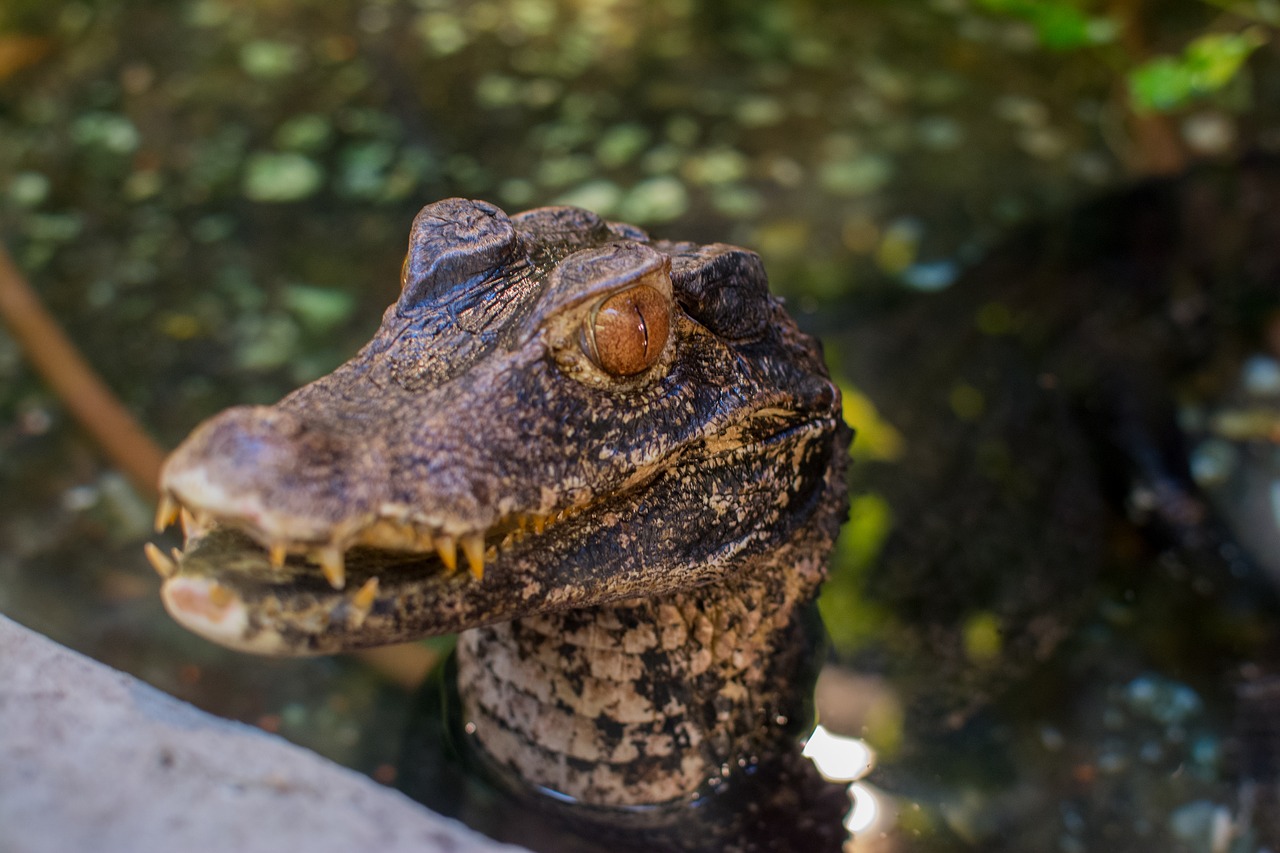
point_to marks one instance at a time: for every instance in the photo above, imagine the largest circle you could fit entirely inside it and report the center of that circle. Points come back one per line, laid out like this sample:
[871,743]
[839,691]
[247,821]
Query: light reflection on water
[845,759]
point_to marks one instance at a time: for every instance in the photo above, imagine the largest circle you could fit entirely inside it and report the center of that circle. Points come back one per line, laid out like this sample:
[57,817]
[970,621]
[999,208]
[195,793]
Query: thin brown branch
[123,440]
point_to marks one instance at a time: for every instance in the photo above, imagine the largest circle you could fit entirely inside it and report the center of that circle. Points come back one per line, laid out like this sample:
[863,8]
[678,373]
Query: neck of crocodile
[652,700]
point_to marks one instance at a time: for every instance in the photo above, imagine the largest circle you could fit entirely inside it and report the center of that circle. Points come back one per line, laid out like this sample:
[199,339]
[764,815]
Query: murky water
[214,197]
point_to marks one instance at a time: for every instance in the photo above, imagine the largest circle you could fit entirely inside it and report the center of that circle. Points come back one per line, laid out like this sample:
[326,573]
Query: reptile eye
[627,331]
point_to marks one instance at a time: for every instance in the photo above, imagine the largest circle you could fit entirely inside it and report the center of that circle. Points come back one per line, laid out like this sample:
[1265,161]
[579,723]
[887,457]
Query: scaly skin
[630,445]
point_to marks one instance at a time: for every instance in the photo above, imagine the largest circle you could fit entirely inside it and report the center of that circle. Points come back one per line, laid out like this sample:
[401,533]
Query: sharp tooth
[161,563]
[177,554]
[362,601]
[539,524]
[522,522]
[473,547]
[277,554]
[362,598]
[447,548]
[167,512]
[331,563]
[187,520]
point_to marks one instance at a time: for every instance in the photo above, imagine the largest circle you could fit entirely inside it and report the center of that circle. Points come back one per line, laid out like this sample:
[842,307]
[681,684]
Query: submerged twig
[75,382]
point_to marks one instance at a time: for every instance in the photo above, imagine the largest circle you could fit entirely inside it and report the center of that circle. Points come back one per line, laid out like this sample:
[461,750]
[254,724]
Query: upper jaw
[392,527]
[224,587]
[308,490]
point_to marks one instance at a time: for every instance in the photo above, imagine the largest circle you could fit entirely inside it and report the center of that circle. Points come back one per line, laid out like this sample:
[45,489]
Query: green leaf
[1160,85]
[1059,24]
[1062,27]
[1207,65]
[1216,58]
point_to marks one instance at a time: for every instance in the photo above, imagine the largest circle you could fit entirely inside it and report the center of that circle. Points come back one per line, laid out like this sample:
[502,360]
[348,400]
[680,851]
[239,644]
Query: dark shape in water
[1039,402]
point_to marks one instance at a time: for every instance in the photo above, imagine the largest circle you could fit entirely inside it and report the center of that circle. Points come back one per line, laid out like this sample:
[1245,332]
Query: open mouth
[394,530]
[229,586]
[240,581]
[400,533]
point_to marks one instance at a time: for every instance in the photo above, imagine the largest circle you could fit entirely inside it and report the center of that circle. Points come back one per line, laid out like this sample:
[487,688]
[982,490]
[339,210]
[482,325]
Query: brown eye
[626,334]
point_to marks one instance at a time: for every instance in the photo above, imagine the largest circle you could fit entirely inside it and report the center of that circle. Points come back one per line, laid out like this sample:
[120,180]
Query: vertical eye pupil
[629,330]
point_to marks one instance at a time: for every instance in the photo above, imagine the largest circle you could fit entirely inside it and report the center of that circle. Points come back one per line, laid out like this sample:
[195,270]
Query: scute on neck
[654,701]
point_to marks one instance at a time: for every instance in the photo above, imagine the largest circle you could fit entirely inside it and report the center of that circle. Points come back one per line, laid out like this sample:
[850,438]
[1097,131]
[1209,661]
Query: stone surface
[93,759]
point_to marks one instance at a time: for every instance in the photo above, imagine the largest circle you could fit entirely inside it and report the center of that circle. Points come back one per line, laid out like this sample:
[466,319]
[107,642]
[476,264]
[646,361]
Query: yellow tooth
[187,520]
[539,524]
[362,601]
[447,548]
[177,554]
[162,564]
[331,563]
[166,512]
[277,554]
[473,547]
[522,523]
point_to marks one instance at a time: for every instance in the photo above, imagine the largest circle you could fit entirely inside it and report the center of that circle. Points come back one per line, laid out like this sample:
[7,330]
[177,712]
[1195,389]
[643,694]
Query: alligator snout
[267,470]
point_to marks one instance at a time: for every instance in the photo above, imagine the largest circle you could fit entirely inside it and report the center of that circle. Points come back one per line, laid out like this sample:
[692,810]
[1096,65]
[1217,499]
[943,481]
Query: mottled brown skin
[634,439]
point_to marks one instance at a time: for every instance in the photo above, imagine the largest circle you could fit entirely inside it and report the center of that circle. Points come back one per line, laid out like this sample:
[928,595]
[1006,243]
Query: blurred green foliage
[1208,64]
[850,617]
[1059,24]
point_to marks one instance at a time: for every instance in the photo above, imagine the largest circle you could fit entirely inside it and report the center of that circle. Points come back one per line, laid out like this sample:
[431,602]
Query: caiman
[614,464]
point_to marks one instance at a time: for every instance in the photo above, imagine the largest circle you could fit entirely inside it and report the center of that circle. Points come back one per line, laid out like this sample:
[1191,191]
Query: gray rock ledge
[91,759]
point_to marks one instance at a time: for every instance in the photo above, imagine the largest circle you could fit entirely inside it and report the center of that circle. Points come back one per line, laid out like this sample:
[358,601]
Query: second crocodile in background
[637,455]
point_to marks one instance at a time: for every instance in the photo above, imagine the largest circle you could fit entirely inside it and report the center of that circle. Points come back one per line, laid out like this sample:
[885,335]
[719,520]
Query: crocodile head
[557,412]
[613,464]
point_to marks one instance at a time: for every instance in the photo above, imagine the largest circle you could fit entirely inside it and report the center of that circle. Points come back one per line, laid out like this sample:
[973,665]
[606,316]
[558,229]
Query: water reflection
[1236,455]
[838,758]
[847,759]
